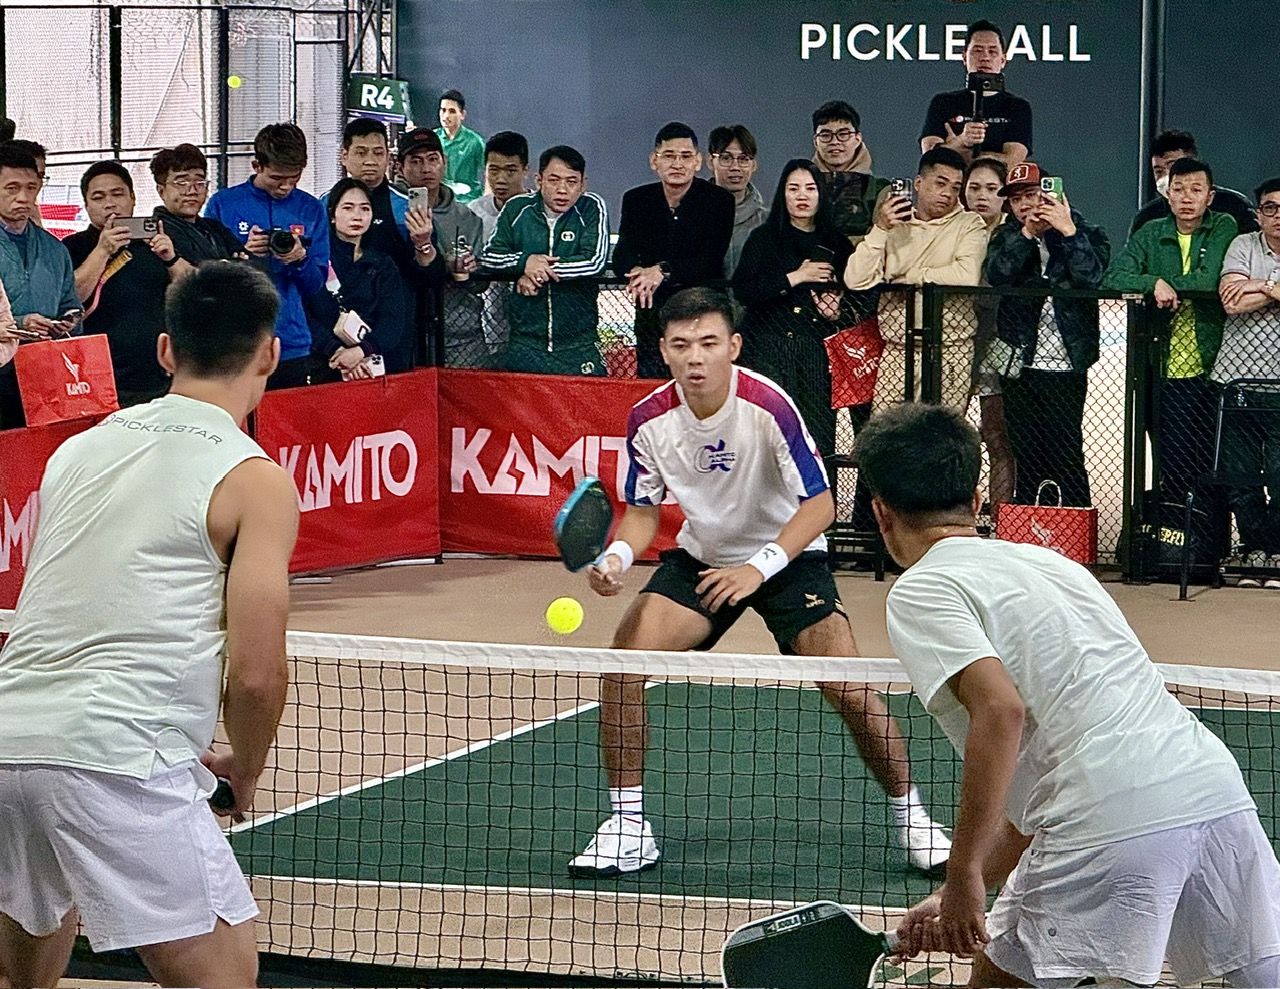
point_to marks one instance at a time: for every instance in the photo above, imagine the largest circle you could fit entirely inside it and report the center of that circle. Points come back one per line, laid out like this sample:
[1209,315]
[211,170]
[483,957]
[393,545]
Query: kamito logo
[370,465]
[16,532]
[75,386]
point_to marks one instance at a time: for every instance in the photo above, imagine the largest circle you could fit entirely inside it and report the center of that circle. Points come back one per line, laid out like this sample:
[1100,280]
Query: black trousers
[1044,416]
[293,373]
[649,362]
[1251,445]
[1185,432]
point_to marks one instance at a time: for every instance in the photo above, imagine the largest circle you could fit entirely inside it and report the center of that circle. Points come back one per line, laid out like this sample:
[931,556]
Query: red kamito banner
[513,446]
[362,455]
[23,454]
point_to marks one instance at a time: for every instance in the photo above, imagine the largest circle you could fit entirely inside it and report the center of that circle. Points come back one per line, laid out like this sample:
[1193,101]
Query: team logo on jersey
[568,235]
[813,601]
[243,226]
[714,458]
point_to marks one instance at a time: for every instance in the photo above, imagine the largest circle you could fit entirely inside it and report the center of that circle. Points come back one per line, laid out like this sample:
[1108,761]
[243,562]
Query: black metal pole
[4,91]
[224,94]
[115,76]
[1151,98]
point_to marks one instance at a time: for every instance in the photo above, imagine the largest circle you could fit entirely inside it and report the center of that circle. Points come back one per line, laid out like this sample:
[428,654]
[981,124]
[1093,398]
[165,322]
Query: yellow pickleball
[564,615]
[234,82]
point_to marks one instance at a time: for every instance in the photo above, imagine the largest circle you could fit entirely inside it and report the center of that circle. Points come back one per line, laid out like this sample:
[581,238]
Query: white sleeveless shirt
[118,643]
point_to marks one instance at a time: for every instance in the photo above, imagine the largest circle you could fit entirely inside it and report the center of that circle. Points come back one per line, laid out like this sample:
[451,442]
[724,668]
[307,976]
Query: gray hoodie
[751,213]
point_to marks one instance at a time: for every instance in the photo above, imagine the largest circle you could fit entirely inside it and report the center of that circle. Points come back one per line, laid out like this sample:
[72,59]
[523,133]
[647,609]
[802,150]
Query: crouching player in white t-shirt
[1118,826]
[160,557]
[731,448]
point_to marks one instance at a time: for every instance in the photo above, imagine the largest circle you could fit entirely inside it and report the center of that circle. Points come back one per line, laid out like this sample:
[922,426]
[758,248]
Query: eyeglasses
[1269,209]
[830,136]
[728,159]
[671,157]
[197,185]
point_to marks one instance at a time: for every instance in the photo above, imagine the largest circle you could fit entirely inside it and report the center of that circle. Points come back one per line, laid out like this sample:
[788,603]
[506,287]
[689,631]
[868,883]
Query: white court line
[471,749]
[729,901]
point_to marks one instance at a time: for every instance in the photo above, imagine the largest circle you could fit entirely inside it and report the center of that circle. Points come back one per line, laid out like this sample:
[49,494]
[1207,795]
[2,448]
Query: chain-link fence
[134,78]
[1206,426]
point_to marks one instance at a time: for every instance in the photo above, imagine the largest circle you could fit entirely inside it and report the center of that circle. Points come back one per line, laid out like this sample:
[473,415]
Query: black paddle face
[583,525]
[818,946]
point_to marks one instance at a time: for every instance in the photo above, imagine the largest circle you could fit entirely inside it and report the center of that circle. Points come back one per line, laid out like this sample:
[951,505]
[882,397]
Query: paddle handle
[223,797]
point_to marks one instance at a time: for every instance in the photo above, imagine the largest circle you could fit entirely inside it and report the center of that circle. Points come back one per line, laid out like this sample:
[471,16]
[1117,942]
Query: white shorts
[1206,897]
[144,861]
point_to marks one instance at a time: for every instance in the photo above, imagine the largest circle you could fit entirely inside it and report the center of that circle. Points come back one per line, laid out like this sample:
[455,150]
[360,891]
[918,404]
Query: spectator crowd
[463,251]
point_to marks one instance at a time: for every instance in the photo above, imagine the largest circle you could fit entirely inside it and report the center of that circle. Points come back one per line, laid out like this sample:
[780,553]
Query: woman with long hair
[789,280]
[367,283]
[983,180]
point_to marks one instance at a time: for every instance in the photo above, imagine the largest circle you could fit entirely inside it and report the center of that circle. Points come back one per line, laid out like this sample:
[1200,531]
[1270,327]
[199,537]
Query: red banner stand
[363,456]
[513,446]
[23,454]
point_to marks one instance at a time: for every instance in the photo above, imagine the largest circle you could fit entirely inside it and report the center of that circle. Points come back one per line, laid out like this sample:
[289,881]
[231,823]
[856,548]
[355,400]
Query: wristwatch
[665,269]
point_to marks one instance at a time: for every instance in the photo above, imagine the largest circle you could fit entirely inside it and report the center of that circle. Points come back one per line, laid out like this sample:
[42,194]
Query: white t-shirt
[118,641]
[738,475]
[1107,752]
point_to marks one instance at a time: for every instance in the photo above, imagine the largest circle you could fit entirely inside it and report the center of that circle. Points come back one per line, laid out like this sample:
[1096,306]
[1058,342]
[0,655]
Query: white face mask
[1162,185]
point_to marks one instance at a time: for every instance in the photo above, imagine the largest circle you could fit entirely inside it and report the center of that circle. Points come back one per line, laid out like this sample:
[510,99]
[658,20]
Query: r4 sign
[374,97]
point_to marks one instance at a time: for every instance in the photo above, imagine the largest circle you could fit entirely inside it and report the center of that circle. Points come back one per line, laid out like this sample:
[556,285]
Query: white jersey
[1107,752]
[738,475]
[116,654]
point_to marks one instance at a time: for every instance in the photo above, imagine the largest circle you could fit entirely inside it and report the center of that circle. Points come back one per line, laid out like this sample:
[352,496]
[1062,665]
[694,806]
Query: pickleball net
[424,798]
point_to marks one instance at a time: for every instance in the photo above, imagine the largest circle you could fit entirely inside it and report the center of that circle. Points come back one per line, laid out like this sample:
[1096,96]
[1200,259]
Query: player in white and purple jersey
[731,448]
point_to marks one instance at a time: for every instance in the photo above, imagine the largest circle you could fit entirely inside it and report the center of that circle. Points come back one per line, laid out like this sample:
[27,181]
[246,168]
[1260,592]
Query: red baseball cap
[1022,174]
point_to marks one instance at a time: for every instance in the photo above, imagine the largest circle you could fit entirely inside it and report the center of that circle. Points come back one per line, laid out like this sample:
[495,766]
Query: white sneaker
[621,845]
[926,844]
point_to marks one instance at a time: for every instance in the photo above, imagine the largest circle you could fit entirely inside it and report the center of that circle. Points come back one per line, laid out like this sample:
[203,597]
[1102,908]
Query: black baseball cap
[419,139]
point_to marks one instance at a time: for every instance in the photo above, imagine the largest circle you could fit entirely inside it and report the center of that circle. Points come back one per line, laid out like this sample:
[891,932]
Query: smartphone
[69,321]
[139,227]
[1052,186]
[904,188]
[420,198]
[823,255]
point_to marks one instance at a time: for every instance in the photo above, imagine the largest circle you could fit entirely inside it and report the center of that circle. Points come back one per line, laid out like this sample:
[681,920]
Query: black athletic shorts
[802,594]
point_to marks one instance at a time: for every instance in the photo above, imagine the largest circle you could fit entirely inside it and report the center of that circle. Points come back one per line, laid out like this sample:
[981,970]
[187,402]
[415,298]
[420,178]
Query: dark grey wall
[603,75]
[1220,85]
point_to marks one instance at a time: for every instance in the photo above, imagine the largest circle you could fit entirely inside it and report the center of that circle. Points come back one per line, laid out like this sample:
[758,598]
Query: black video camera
[281,241]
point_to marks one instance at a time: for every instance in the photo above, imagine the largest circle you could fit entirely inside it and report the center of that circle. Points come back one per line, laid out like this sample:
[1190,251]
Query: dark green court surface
[753,793]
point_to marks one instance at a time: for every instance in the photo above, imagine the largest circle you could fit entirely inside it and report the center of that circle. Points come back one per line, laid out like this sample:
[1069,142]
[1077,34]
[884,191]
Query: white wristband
[623,551]
[770,560]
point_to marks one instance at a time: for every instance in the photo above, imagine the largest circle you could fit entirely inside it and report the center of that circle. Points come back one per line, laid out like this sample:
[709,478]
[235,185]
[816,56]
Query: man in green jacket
[1183,253]
[556,240]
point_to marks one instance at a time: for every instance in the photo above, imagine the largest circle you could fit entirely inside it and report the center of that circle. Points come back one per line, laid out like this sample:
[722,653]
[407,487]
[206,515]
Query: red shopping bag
[66,379]
[1073,532]
[854,356]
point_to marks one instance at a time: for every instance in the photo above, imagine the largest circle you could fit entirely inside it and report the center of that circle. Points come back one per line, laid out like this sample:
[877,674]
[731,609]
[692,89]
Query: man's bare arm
[262,501]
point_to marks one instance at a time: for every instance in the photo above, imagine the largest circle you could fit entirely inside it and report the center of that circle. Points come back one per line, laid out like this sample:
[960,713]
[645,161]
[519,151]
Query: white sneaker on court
[622,844]
[926,844]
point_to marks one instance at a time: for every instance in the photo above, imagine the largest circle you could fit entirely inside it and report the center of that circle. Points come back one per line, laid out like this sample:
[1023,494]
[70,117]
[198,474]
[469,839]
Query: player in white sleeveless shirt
[160,558]
[731,447]
[1119,826]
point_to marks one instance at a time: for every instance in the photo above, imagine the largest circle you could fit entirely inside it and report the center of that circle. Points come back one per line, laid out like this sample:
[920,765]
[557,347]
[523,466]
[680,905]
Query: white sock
[902,806]
[627,801]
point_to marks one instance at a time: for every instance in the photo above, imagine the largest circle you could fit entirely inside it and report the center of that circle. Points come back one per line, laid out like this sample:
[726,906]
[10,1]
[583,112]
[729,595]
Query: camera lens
[281,241]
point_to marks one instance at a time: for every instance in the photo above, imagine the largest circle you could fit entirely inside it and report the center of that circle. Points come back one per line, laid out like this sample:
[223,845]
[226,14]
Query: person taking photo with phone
[121,279]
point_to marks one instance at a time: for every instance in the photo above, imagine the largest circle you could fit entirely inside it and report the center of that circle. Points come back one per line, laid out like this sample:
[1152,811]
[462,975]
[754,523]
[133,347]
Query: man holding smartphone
[35,269]
[122,271]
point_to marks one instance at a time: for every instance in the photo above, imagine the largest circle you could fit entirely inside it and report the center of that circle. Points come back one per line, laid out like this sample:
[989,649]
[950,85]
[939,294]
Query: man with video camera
[981,119]
[288,230]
